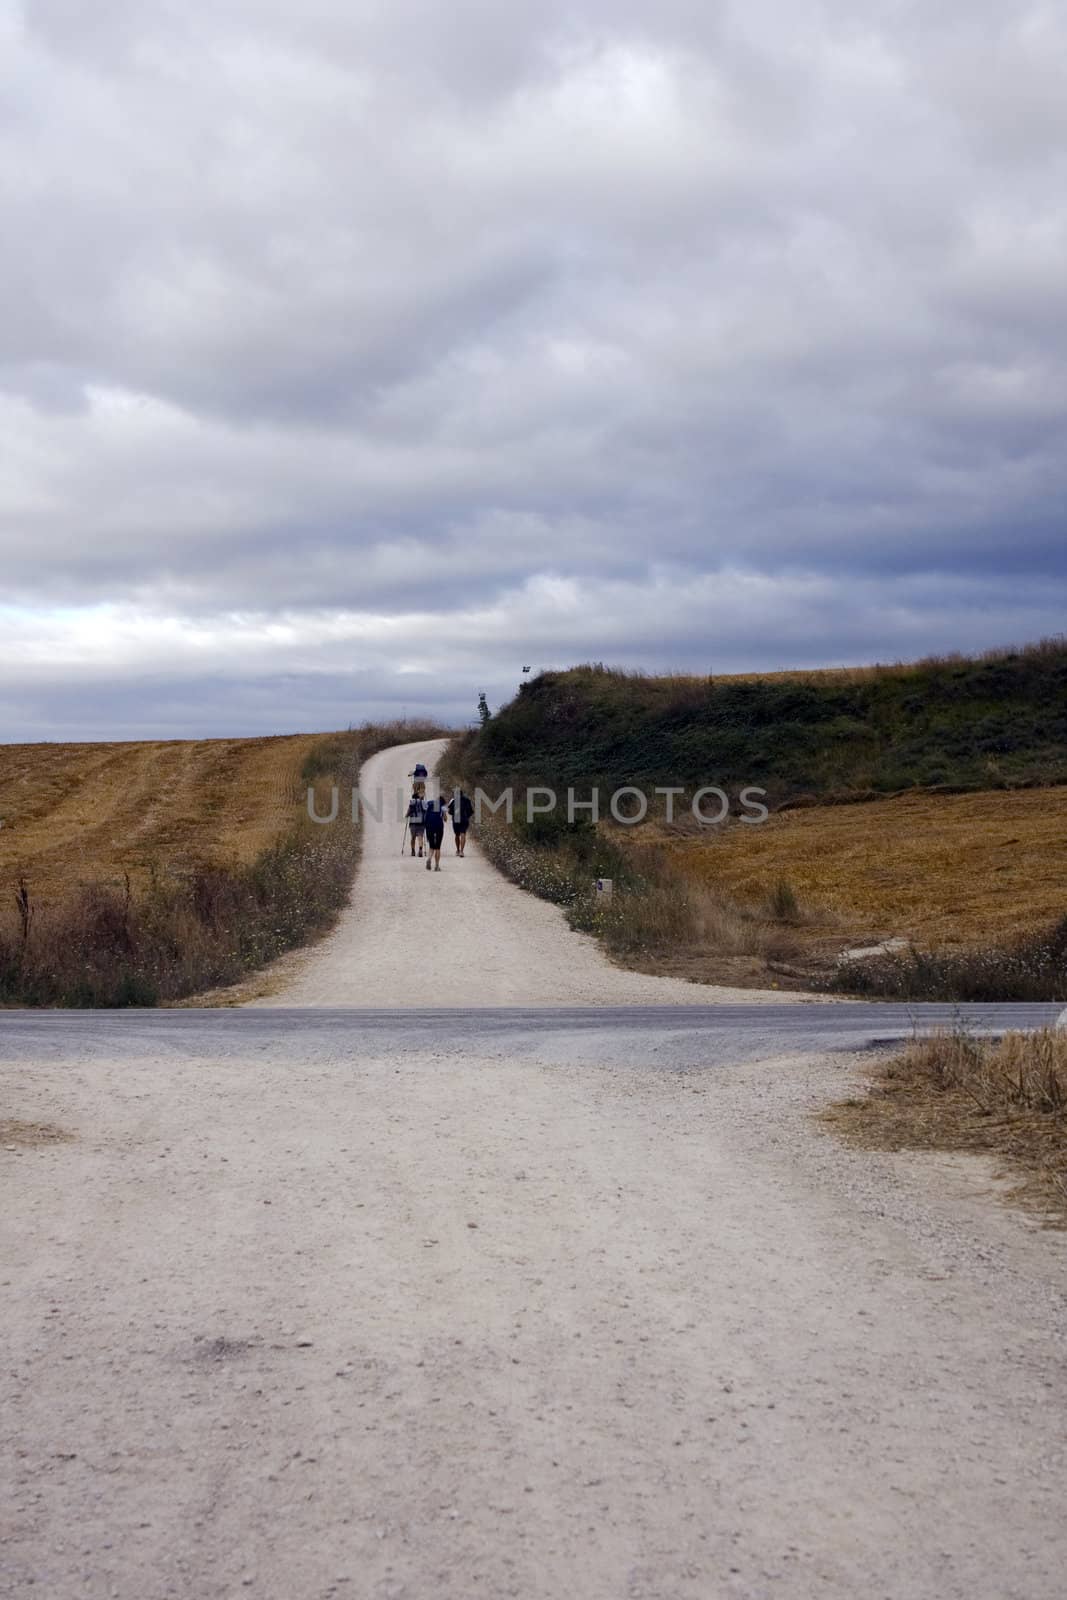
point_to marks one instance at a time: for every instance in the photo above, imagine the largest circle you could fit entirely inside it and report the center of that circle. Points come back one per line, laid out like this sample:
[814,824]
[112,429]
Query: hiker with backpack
[434,818]
[416,817]
[460,809]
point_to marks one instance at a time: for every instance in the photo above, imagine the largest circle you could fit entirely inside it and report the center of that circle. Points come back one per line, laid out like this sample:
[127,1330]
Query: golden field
[944,870]
[81,813]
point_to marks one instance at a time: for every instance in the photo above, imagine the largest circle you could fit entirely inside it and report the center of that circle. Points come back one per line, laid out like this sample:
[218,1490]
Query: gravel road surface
[527,1305]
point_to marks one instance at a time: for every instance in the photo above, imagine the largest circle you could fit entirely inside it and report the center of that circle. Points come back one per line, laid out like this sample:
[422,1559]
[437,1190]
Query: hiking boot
[429,863]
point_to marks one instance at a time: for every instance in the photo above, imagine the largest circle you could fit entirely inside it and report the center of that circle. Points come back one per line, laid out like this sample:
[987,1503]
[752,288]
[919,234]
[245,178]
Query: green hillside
[964,723]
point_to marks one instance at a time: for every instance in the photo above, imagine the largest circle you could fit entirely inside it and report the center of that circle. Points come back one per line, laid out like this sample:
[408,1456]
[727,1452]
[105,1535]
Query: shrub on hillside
[1032,968]
[102,948]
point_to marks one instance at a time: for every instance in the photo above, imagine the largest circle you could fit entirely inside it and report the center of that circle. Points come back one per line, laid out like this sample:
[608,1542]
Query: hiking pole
[404,840]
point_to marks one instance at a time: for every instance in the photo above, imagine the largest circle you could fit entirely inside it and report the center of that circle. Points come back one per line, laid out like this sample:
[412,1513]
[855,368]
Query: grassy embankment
[133,874]
[927,801]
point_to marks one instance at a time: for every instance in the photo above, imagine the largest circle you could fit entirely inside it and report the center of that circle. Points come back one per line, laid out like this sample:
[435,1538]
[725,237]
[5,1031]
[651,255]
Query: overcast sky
[357,352]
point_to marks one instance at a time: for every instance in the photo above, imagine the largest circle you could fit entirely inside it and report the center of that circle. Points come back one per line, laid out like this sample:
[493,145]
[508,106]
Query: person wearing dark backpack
[416,815]
[434,815]
[460,809]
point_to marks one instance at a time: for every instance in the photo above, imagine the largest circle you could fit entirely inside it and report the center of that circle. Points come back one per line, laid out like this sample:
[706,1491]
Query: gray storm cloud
[716,335]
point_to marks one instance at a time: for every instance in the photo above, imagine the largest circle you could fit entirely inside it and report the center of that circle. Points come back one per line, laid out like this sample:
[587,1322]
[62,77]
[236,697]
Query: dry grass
[944,870]
[91,813]
[1006,1098]
[673,930]
[663,918]
[875,669]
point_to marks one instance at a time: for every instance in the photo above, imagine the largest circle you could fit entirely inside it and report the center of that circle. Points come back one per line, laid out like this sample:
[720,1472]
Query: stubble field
[80,813]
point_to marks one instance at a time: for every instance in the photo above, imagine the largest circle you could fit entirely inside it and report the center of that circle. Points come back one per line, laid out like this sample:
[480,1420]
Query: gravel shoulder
[463,936]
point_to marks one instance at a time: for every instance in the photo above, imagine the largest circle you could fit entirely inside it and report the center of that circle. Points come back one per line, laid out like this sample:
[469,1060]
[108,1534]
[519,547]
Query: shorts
[459,827]
[417,827]
[434,836]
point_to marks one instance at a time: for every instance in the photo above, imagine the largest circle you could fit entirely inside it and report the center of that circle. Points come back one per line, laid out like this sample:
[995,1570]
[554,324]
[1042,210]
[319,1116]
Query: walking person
[416,815]
[420,775]
[460,809]
[434,817]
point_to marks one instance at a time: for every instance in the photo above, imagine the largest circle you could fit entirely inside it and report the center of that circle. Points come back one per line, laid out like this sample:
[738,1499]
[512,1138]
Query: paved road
[658,1034]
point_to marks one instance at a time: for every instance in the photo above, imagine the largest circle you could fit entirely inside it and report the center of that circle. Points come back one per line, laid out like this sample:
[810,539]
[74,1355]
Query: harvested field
[80,813]
[945,870]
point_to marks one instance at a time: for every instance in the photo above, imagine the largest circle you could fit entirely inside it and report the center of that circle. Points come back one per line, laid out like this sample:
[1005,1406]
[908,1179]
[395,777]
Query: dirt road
[463,936]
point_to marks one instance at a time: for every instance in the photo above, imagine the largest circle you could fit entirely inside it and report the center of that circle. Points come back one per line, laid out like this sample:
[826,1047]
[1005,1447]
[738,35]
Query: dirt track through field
[463,936]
